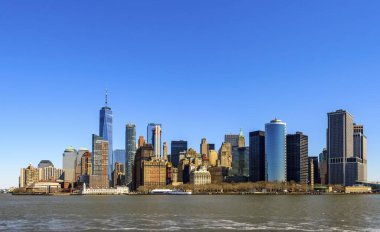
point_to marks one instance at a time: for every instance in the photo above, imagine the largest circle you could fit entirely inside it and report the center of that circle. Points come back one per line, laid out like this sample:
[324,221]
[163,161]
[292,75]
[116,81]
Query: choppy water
[178,213]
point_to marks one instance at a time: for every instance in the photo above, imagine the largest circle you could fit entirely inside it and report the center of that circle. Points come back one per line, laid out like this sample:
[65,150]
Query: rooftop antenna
[106,97]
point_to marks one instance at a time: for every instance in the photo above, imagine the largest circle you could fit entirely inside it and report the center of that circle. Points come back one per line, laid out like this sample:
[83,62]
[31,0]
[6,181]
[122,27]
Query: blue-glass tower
[275,150]
[105,131]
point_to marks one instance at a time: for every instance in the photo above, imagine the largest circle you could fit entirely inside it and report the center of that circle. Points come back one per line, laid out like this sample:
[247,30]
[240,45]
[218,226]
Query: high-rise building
[210,146]
[344,168]
[297,152]
[100,151]
[69,166]
[118,175]
[313,172]
[225,155]
[130,150]
[240,161]
[141,141]
[232,139]
[257,162]
[203,147]
[323,167]
[119,156]
[360,149]
[213,158]
[105,131]
[28,176]
[165,151]
[176,148]
[275,150]
[241,140]
[154,132]
[86,168]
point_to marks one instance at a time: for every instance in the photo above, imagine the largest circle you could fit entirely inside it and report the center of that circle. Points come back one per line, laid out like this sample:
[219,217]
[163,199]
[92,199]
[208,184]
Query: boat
[169,192]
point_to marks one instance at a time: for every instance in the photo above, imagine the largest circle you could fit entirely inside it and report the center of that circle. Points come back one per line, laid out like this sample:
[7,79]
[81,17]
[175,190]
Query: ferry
[169,192]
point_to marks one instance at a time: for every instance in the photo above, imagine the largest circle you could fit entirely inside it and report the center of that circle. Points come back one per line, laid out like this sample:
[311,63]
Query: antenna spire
[106,97]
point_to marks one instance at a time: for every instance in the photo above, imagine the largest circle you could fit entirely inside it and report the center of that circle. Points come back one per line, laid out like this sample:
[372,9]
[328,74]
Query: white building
[119,190]
[200,177]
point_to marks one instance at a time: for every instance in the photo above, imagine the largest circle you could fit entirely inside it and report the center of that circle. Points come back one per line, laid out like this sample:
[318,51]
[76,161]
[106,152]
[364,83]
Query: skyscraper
[241,139]
[203,147]
[165,151]
[225,155]
[313,176]
[105,131]
[275,150]
[119,156]
[154,132]
[344,167]
[240,161]
[360,149]
[257,162]
[141,141]
[232,139]
[323,167]
[176,148]
[297,152]
[130,150]
[99,177]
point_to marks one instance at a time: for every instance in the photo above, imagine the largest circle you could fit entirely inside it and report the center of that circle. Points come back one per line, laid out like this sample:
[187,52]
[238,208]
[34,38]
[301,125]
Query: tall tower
[203,147]
[241,140]
[165,151]
[340,146]
[297,152]
[275,150]
[105,131]
[154,131]
[130,150]
[257,162]
[360,150]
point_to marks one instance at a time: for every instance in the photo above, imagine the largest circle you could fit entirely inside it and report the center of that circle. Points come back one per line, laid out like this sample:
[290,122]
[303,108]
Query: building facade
[100,152]
[257,161]
[130,150]
[297,152]
[200,177]
[360,150]
[106,132]
[240,161]
[275,150]
[176,148]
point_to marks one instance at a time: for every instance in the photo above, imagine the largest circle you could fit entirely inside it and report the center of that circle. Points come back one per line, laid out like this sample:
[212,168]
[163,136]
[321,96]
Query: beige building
[200,177]
[29,176]
[203,147]
[357,189]
[213,158]
[225,155]
[165,151]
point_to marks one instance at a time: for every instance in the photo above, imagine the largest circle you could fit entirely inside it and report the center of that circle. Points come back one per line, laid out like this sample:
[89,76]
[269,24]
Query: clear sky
[201,68]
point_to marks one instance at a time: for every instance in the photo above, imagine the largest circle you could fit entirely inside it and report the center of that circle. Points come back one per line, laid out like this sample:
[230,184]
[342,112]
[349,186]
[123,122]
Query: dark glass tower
[130,150]
[257,164]
[176,148]
[297,158]
[105,131]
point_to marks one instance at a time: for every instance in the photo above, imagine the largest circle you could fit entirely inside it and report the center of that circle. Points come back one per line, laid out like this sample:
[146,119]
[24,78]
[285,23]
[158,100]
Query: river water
[190,213]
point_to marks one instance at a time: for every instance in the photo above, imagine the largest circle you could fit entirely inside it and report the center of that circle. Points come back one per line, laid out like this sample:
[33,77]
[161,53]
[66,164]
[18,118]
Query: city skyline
[201,75]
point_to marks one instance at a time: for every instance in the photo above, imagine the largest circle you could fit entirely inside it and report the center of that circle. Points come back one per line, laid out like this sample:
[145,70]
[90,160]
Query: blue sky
[201,68]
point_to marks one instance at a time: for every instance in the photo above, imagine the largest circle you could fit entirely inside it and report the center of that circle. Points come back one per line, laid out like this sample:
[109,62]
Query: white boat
[169,192]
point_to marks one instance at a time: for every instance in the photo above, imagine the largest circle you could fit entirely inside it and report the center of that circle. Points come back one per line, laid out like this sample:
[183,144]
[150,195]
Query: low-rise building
[200,177]
[357,189]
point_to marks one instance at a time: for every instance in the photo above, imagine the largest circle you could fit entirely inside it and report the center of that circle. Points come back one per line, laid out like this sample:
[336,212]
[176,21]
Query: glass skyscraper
[154,131]
[105,131]
[130,150]
[275,150]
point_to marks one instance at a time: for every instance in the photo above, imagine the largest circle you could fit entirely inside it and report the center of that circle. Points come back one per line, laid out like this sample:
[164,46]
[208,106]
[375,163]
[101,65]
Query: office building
[344,167]
[45,163]
[100,152]
[257,161]
[119,156]
[28,176]
[360,150]
[176,148]
[165,151]
[130,150]
[275,150]
[203,147]
[297,152]
[141,141]
[213,158]
[323,167]
[232,139]
[225,155]
[105,131]
[313,172]
[210,146]
[240,161]
[118,175]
